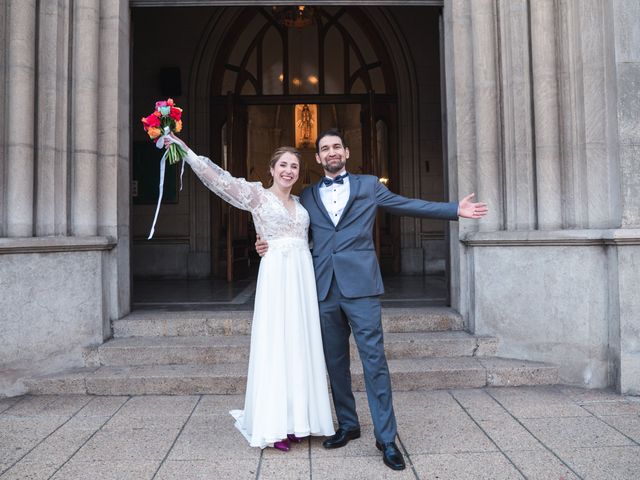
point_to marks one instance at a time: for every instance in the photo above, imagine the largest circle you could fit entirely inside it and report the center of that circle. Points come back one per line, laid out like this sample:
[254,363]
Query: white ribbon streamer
[163,163]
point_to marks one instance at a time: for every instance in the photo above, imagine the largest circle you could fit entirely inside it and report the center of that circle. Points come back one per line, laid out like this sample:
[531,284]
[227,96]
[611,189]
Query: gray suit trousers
[339,316]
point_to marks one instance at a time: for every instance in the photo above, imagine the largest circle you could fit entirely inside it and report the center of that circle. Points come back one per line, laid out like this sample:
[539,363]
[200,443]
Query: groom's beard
[334,167]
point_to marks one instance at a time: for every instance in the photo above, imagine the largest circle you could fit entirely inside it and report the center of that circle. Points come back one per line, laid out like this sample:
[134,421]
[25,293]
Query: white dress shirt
[334,198]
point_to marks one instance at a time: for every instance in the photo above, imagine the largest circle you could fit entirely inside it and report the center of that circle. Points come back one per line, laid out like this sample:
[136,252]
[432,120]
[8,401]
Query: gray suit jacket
[347,249]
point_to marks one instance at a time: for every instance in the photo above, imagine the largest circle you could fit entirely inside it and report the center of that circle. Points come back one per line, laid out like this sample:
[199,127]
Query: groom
[342,210]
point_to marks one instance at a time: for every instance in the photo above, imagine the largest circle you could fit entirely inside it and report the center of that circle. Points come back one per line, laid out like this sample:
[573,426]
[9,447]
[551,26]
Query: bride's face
[286,170]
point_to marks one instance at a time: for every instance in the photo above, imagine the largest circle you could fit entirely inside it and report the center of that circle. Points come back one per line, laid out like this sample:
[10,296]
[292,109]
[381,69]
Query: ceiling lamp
[295,16]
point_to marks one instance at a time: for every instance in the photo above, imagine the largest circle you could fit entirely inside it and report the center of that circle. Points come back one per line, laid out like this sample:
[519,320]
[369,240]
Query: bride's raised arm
[236,191]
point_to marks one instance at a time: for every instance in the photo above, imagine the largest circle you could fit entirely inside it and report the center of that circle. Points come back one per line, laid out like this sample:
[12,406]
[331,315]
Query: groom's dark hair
[331,132]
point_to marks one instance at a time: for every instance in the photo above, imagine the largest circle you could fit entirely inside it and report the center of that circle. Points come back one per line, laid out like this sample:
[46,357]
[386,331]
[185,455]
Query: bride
[287,396]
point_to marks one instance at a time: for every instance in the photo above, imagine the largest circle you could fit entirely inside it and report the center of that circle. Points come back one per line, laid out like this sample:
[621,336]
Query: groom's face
[332,155]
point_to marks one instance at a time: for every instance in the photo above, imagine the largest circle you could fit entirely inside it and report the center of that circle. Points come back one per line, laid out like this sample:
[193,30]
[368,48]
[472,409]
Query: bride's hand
[174,139]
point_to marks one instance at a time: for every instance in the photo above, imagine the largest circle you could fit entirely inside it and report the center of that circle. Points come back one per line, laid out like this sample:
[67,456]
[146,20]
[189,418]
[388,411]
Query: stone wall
[52,305]
[64,162]
[543,123]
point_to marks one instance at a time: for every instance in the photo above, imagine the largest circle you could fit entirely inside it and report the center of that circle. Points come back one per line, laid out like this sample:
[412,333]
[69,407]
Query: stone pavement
[493,433]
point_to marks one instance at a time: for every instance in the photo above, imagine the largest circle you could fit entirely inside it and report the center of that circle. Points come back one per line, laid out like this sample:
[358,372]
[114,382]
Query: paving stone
[444,434]
[164,405]
[30,471]
[425,402]
[232,468]
[611,463]
[127,445]
[107,470]
[289,468]
[49,405]
[574,432]
[465,466]
[540,465]
[627,424]
[21,434]
[218,404]
[104,406]
[49,455]
[585,395]
[215,437]
[6,403]
[622,407]
[544,402]
[509,435]
[356,468]
[129,422]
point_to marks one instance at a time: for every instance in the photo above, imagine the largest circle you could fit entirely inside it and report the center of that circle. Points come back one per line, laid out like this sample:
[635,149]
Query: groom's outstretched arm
[413,207]
[400,205]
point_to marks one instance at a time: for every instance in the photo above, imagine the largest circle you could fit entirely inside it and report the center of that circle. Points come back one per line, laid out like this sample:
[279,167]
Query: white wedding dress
[286,383]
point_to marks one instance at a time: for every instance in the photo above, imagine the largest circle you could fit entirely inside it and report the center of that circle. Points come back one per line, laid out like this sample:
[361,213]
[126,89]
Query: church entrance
[251,79]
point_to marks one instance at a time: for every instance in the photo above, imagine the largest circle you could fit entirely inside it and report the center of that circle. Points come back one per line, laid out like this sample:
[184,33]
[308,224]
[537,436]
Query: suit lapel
[316,196]
[354,186]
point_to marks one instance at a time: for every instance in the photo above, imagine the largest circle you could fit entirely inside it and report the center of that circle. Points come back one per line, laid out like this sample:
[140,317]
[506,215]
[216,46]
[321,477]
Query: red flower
[176,113]
[150,121]
[170,102]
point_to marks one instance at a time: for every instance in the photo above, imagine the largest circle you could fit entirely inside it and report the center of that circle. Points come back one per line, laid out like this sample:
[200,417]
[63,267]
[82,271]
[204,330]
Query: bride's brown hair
[281,151]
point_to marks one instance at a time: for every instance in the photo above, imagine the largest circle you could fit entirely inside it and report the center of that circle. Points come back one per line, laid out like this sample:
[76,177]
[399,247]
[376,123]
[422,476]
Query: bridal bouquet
[166,118]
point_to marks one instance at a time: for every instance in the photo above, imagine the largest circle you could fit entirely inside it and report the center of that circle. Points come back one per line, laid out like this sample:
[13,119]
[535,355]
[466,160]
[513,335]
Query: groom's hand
[469,209]
[261,246]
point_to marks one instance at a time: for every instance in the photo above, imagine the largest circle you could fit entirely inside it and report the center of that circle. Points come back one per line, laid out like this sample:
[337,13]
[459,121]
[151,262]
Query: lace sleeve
[236,191]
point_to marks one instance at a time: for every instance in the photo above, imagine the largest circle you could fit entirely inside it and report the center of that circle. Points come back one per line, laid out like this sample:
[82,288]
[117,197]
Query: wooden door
[236,222]
[378,121]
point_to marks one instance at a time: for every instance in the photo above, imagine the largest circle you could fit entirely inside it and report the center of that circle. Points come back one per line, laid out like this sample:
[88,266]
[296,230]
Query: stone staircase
[208,352]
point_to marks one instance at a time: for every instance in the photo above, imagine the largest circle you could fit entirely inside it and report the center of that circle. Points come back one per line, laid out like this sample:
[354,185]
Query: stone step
[208,350]
[191,324]
[406,375]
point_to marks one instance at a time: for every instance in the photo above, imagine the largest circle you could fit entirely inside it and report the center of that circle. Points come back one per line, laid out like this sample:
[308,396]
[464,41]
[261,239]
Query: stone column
[516,114]
[625,342]
[20,94]
[488,151]
[461,144]
[108,131]
[86,23]
[52,140]
[113,154]
[3,114]
[627,57]
[545,114]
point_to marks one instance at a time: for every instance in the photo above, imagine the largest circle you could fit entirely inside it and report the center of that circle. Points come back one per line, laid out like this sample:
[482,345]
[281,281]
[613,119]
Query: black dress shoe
[341,438]
[391,455]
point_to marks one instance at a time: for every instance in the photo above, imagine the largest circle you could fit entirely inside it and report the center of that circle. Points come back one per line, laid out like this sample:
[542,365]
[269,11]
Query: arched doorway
[290,73]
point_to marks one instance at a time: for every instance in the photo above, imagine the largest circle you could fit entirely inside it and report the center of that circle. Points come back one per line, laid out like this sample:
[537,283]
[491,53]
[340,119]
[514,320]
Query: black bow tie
[339,179]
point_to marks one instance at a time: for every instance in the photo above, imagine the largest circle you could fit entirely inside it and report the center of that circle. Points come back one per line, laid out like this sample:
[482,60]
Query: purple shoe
[282,445]
[293,438]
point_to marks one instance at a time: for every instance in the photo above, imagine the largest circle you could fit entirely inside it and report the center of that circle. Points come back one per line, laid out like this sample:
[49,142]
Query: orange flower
[154,132]
[179,126]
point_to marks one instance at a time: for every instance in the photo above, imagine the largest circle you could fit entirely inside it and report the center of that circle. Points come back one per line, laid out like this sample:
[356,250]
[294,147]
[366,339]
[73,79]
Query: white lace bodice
[271,218]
